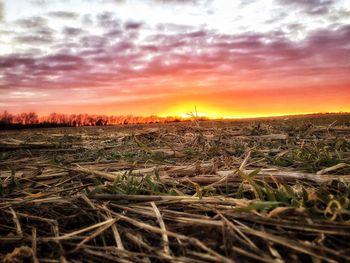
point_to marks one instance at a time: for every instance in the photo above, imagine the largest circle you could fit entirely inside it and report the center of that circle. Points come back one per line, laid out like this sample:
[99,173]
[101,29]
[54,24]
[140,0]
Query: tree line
[31,119]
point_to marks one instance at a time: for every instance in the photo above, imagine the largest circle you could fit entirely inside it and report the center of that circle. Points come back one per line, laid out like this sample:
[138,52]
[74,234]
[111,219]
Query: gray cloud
[34,39]
[39,2]
[72,31]
[311,7]
[64,15]
[130,25]
[87,20]
[107,20]
[32,22]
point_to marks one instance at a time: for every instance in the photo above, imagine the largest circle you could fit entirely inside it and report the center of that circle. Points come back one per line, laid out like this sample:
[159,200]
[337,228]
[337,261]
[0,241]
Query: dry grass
[273,191]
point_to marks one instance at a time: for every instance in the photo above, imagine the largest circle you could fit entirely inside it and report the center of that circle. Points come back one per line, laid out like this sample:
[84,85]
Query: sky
[226,58]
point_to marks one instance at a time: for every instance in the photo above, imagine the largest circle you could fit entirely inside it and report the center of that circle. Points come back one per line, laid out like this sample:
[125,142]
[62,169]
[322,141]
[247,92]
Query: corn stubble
[216,191]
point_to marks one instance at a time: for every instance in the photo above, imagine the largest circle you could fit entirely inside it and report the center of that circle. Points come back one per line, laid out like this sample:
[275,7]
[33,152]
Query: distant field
[212,191]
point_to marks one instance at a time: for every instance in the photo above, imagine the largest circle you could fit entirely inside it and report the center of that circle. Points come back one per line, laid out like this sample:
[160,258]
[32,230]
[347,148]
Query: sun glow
[188,110]
[191,109]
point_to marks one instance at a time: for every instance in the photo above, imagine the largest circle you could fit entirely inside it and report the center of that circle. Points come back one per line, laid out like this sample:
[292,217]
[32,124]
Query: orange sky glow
[227,59]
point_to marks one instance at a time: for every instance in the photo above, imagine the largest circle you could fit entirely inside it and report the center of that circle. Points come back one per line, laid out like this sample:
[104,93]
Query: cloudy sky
[164,57]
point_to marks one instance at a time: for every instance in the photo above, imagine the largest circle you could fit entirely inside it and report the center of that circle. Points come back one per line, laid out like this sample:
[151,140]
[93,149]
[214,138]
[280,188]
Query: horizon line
[190,115]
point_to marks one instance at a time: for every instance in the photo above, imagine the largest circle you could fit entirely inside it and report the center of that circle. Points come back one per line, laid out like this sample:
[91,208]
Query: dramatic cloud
[108,59]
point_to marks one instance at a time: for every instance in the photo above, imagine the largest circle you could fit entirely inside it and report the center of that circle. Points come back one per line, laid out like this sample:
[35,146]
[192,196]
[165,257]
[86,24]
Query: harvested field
[216,191]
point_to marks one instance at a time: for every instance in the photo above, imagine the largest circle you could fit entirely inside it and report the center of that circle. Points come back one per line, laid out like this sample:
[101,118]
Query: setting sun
[192,109]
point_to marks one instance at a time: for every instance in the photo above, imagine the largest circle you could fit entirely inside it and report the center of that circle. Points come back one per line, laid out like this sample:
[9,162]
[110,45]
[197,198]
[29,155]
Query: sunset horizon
[14,117]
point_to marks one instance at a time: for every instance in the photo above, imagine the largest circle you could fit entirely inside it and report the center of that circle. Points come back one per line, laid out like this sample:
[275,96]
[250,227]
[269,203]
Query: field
[269,190]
